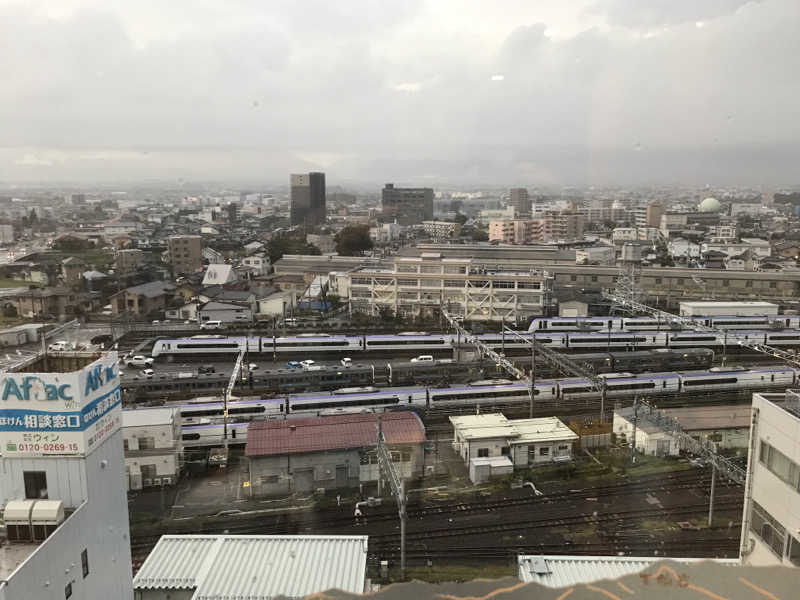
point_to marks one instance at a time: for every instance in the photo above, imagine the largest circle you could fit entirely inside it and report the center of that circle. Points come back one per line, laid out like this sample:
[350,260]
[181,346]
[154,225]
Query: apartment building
[554,225]
[419,286]
[771,518]
[441,230]
[185,253]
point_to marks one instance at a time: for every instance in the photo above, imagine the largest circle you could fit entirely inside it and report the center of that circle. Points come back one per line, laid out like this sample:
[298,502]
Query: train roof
[408,337]
[186,428]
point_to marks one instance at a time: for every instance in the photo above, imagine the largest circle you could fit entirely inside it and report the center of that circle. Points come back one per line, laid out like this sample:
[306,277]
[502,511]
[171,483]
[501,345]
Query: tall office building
[520,200]
[307,199]
[407,206]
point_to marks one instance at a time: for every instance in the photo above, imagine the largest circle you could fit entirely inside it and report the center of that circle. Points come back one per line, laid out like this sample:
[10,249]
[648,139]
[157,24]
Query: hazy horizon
[589,92]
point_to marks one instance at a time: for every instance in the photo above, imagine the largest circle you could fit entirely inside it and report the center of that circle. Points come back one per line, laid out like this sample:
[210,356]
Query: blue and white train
[198,430]
[546,324]
[205,346]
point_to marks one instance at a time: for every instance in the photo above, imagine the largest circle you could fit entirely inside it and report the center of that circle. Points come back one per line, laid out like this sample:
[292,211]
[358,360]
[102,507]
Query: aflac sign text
[98,376]
[33,387]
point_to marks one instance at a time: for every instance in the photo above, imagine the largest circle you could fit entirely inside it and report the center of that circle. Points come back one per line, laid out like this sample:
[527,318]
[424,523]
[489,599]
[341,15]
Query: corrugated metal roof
[175,562]
[255,567]
[331,433]
[556,571]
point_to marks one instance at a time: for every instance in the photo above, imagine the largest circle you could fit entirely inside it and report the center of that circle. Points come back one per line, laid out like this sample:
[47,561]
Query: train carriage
[628,340]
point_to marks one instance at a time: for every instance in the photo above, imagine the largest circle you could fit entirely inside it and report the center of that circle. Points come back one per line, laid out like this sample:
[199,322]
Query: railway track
[386,516]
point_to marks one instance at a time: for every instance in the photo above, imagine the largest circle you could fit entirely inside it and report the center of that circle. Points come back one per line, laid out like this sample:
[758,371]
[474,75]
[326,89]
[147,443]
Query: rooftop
[144,417]
[522,431]
[256,567]
[556,571]
[151,289]
[294,436]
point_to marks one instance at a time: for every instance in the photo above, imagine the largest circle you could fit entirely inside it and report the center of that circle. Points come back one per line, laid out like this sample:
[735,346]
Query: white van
[423,358]
[211,325]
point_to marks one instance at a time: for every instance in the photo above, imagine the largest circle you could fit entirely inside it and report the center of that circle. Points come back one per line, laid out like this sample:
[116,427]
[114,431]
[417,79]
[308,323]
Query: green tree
[289,244]
[479,235]
[353,240]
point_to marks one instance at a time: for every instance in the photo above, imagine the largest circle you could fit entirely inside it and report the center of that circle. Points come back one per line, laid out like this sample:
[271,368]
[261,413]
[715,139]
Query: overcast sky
[502,92]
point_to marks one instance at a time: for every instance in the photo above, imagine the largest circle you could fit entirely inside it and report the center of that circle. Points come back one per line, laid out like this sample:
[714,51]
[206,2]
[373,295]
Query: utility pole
[228,391]
[635,420]
[386,467]
[711,498]
[533,374]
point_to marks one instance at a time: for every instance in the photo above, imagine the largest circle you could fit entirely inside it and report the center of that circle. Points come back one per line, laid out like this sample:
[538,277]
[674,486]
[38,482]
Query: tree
[479,235]
[289,244]
[353,240]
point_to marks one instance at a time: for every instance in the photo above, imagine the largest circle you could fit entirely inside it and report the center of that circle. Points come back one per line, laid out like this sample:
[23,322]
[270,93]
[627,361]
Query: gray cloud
[377,92]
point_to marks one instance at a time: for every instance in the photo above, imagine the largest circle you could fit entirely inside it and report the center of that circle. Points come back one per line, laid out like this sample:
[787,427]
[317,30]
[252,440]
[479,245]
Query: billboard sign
[45,414]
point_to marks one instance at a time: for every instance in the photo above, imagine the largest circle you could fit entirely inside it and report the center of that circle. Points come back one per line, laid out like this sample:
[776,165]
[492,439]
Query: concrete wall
[100,526]
[66,478]
[281,475]
[781,431]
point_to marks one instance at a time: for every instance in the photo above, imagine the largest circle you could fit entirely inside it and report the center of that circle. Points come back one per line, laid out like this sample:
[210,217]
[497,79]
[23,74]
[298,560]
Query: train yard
[622,510]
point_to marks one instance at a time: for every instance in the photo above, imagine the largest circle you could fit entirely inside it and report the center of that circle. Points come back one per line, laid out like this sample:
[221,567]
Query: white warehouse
[153,449]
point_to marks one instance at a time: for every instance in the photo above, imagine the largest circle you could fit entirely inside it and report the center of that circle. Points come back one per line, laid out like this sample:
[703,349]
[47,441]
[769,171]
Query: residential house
[52,302]
[143,299]
[72,269]
[219,274]
[259,263]
[224,311]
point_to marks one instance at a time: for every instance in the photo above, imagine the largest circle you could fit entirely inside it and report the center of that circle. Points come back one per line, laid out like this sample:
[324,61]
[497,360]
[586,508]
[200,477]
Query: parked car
[347,362]
[59,346]
[148,373]
[139,361]
[202,369]
[252,366]
[211,325]
[306,364]
[293,364]
[423,358]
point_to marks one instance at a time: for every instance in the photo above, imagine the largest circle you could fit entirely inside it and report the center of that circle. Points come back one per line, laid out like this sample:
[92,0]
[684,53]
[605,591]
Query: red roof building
[330,453]
[339,432]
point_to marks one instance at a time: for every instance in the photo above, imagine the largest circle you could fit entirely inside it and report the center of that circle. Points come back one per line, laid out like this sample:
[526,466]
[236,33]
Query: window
[573,277]
[85,562]
[505,450]
[725,283]
[125,445]
[483,452]
[544,451]
[794,551]
[748,283]
[658,280]
[594,277]
[779,465]
[773,284]
[35,485]
[764,526]
[147,443]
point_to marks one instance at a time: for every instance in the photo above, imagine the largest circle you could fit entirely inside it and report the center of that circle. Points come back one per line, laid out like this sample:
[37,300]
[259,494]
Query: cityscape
[467,368]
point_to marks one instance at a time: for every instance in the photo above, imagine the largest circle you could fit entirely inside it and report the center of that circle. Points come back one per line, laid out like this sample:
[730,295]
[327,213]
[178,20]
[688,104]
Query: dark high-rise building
[233,213]
[307,199]
[407,206]
[520,200]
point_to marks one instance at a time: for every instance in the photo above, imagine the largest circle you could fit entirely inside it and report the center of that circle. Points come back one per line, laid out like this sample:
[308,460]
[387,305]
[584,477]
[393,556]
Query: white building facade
[153,449]
[771,520]
[60,440]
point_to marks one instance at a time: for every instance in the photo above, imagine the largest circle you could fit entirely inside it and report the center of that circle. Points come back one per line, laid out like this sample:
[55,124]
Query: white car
[59,346]
[306,364]
[148,373]
[423,358]
[139,361]
[347,362]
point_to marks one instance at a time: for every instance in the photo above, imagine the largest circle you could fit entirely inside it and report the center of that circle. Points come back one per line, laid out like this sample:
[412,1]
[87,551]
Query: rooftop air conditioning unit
[166,480]
[46,516]
[17,517]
